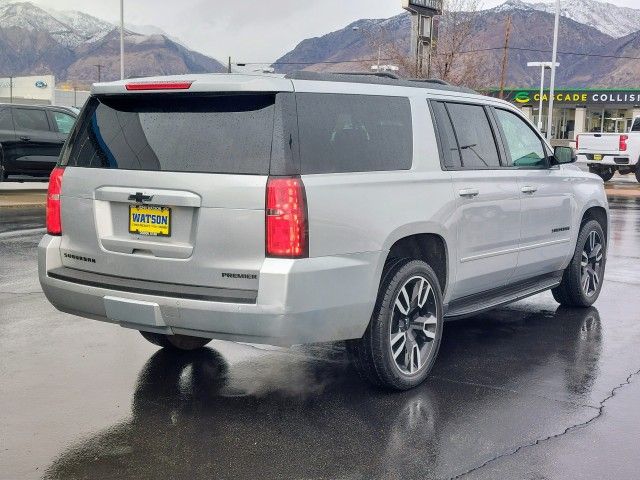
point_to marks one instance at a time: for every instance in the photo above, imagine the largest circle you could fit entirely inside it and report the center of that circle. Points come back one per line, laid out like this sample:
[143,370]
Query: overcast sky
[249,31]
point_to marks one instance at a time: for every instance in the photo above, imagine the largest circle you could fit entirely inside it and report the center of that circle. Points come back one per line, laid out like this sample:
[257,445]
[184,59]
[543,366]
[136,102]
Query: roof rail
[378,78]
[437,81]
[370,74]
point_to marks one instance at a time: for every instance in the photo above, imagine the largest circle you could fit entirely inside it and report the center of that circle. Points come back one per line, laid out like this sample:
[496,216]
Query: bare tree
[453,59]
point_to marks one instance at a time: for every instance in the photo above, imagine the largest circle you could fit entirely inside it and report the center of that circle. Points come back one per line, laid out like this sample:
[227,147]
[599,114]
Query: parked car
[31,138]
[608,153]
[314,208]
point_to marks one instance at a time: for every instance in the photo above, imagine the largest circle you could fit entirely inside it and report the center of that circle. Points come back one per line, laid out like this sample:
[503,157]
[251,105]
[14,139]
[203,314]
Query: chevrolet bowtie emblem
[139,197]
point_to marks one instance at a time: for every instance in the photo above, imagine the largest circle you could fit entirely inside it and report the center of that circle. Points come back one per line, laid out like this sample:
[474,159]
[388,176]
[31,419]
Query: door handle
[529,189]
[25,139]
[469,192]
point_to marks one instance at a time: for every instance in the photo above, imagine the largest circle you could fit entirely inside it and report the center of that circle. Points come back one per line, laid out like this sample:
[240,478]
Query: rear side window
[475,136]
[30,119]
[211,134]
[5,119]
[354,133]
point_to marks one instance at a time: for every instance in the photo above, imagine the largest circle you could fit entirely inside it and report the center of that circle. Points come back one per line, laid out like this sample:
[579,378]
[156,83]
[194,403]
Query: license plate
[597,157]
[150,220]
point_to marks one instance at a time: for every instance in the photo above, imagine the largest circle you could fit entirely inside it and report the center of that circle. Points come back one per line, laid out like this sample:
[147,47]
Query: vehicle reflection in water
[244,412]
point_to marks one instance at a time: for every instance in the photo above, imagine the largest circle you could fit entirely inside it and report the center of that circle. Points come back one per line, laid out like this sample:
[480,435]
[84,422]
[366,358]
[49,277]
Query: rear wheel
[638,171]
[605,173]
[175,342]
[401,343]
[582,280]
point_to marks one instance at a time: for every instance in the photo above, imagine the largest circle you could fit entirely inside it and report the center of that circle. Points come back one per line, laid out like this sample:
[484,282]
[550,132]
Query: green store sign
[572,97]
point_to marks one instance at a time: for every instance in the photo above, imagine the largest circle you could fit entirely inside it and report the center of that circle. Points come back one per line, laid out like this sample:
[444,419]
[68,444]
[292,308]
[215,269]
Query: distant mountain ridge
[531,40]
[70,44]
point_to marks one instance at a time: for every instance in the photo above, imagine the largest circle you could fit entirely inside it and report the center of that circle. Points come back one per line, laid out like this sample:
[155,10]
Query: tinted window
[30,119]
[474,134]
[523,145]
[354,133]
[64,122]
[5,119]
[214,134]
[448,143]
[636,125]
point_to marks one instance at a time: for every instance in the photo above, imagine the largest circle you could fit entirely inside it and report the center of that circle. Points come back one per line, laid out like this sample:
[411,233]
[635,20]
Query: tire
[575,290]
[638,171]
[176,342]
[409,330]
[605,174]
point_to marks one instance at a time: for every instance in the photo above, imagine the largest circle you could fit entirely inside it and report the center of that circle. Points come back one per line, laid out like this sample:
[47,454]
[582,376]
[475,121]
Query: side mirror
[564,155]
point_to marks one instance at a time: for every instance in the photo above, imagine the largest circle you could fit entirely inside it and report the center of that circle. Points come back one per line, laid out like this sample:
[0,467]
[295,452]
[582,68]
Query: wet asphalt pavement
[529,391]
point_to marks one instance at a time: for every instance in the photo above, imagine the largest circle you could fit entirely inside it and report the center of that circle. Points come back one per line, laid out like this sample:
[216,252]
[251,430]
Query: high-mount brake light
[286,218]
[163,85]
[54,220]
[623,142]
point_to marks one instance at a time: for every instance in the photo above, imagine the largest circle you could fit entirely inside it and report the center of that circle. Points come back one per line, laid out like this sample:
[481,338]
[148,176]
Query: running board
[496,297]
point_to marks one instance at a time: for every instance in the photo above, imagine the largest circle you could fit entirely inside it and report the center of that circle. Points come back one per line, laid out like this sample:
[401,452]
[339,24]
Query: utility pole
[505,57]
[554,59]
[121,39]
[99,67]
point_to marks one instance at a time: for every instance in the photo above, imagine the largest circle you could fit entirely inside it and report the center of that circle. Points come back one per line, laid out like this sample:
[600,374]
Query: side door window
[63,122]
[30,119]
[477,144]
[524,146]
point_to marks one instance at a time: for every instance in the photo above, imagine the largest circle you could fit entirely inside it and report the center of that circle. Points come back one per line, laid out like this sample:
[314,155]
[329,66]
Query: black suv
[31,138]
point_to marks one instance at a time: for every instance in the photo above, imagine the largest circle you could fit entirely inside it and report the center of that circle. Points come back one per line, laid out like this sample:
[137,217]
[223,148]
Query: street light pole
[543,66]
[554,59]
[121,39]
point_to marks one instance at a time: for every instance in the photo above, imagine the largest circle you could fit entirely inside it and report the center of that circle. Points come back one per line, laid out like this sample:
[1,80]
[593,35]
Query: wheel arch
[600,215]
[428,245]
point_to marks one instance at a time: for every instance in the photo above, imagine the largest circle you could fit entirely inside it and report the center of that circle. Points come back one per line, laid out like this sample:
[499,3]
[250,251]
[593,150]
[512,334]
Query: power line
[479,50]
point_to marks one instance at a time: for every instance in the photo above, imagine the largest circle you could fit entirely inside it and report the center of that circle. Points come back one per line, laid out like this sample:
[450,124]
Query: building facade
[579,110]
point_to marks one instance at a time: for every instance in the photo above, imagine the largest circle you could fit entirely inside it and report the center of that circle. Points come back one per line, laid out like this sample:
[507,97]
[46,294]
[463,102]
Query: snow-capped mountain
[70,44]
[611,19]
[30,17]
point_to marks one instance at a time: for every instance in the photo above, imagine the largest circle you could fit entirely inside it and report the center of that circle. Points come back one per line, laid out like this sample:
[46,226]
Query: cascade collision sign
[572,97]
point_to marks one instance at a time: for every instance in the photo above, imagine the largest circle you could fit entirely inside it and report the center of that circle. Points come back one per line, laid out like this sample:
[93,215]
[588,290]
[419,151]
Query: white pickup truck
[606,153]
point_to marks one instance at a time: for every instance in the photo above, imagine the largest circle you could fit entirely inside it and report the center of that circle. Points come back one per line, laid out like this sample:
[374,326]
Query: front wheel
[582,279]
[402,340]
[175,342]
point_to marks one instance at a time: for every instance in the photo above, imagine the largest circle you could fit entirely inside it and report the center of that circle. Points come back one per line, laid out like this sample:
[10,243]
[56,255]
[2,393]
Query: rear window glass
[30,119]
[353,133]
[211,134]
[636,125]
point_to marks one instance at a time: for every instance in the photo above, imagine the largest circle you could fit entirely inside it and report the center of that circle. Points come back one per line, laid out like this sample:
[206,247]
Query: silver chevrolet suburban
[313,208]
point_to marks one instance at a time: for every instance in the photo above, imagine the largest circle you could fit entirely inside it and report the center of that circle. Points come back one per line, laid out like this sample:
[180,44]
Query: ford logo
[41,84]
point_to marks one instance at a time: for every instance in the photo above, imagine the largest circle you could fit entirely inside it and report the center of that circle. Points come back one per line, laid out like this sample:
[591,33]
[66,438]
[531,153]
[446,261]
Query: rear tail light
[623,142]
[162,85]
[286,218]
[577,142]
[54,222]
